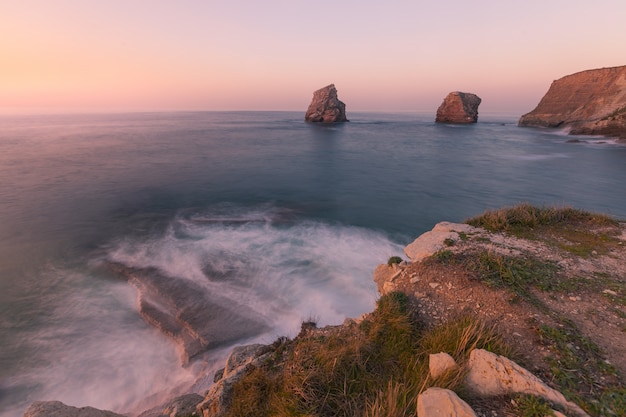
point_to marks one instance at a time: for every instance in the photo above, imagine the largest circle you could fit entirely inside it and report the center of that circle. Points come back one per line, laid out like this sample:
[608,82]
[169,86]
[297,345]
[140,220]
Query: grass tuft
[520,218]
[578,232]
[394,260]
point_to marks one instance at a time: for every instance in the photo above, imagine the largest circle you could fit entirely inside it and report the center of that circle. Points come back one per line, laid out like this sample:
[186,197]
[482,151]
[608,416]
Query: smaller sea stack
[458,107]
[326,107]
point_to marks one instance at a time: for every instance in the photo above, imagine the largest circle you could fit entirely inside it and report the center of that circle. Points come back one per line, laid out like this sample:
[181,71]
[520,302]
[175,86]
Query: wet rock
[183,406]
[326,107]
[187,313]
[58,409]
[458,107]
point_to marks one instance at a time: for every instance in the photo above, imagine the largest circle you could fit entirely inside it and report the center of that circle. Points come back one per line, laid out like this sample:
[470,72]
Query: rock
[591,102]
[183,406]
[242,358]
[440,364]
[384,275]
[432,242]
[187,313]
[440,402]
[458,107]
[326,107]
[58,409]
[493,375]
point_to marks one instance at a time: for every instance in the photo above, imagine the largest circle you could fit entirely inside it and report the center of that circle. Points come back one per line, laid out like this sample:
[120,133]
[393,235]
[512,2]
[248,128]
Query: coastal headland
[591,102]
[537,292]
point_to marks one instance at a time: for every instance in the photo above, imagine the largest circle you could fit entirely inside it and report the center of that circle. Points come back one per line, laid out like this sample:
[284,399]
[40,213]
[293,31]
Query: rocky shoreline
[585,298]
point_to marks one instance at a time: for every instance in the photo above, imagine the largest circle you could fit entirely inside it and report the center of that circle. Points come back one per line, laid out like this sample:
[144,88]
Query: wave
[282,268]
[261,268]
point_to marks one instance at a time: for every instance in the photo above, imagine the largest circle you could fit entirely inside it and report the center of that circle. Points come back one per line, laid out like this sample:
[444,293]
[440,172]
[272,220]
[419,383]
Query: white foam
[94,350]
[285,273]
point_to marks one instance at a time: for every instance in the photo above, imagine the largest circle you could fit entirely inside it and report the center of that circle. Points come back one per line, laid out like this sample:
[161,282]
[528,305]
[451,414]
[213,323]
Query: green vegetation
[533,406]
[394,260]
[517,274]
[576,231]
[579,369]
[376,368]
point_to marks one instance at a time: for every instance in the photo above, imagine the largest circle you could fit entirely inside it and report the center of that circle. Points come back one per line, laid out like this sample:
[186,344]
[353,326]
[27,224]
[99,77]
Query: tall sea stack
[458,107]
[326,107]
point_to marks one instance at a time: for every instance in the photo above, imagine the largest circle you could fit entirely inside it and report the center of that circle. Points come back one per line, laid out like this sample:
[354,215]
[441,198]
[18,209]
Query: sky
[392,56]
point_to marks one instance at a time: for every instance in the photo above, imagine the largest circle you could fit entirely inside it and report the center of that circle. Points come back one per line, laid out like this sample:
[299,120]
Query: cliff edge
[591,102]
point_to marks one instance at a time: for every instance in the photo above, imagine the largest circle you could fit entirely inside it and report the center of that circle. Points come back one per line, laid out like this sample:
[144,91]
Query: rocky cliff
[325,107]
[590,102]
[458,107]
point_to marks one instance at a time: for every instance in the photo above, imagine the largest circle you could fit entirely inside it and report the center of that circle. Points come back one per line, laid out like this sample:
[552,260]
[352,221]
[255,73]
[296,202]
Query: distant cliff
[590,102]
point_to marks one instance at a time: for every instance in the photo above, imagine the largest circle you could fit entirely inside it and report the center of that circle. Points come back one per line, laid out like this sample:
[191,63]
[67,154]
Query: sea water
[271,214]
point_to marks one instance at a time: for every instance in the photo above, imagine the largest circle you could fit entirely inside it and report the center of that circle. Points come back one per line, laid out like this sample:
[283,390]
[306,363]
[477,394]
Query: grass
[376,368]
[582,373]
[579,232]
[517,274]
[532,406]
[394,260]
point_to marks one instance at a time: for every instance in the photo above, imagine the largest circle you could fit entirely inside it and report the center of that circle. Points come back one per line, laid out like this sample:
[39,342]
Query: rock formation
[242,358]
[58,409]
[183,406]
[326,107]
[591,102]
[183,311]
[458,107]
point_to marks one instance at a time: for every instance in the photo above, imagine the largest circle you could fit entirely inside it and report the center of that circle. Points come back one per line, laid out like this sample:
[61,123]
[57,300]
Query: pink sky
[152,55]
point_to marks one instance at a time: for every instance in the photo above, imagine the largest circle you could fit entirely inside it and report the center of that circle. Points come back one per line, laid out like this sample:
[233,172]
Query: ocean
[265,214]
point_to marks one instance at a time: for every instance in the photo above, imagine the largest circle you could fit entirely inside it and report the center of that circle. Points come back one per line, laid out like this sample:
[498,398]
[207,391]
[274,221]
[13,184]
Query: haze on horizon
[155,55]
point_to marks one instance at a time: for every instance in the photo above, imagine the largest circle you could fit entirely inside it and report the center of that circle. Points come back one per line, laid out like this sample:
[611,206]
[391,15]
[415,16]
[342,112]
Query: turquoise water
[261,209]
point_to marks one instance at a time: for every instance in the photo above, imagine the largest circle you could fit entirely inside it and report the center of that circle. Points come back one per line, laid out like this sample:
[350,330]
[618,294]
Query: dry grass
[525,217]
[374,369]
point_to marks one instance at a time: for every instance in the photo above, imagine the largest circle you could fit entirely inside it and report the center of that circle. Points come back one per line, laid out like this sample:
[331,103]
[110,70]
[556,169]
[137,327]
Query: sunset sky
[153,55]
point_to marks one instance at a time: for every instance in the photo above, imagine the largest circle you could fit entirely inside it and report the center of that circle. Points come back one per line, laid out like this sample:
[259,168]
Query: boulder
[432,242]
[493,375]
[326,107]
[591,102]
[440,402]
[458,107]
[58,409]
